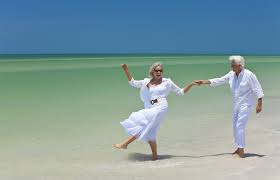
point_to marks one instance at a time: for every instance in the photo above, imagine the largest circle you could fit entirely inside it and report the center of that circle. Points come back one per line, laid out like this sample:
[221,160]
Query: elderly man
[244,85]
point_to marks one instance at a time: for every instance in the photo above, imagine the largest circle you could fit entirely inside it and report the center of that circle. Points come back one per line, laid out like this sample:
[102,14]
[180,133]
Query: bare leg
[124,144]
[153,145]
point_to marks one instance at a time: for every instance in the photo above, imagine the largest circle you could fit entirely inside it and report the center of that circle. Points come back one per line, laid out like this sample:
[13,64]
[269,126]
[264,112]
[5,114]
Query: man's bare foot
[240,153]
[239,156]
[235,152]
[236,156]
[120,146]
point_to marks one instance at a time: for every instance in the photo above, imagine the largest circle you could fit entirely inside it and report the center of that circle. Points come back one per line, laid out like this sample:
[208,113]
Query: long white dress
[145,123]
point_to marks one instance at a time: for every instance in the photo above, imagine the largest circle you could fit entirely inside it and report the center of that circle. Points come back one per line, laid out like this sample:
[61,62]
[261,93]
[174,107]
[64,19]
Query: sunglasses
[160,70]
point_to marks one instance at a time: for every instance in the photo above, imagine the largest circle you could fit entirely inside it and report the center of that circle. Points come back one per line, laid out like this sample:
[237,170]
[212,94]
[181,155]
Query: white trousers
[240,118]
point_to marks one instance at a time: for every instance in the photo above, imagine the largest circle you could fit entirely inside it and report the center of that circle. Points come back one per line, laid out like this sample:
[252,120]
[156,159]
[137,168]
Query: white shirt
[155,92]
[243,87]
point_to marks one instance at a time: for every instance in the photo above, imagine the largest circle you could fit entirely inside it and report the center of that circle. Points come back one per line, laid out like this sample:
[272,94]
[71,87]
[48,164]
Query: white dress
[145,123]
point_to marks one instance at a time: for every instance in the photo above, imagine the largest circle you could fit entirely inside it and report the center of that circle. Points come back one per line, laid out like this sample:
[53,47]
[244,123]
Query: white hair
[153,67]
[237,60]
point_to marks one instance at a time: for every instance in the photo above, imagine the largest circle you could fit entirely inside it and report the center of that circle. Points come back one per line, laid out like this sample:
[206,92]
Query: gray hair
[237,60]
[153,67]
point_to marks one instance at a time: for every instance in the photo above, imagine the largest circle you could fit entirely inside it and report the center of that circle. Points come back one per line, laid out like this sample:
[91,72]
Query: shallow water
[60,114]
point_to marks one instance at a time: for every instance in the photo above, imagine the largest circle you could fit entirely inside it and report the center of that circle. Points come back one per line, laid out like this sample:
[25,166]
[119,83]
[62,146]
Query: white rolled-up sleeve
[174,88]
[219,81]
[256,86]
[136,83]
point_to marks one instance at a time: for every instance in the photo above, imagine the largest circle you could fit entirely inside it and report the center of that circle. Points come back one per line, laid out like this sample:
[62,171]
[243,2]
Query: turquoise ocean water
[64,110]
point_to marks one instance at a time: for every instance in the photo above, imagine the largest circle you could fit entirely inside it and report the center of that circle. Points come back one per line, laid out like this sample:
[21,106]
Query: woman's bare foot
[154,157]
[120,146]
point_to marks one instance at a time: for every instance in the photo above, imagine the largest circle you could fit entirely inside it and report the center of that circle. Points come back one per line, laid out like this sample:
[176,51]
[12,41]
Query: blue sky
[146,26]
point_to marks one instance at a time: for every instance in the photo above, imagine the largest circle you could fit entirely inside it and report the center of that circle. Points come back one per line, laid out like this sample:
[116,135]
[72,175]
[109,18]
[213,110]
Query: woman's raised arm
[125,69]
[132,82]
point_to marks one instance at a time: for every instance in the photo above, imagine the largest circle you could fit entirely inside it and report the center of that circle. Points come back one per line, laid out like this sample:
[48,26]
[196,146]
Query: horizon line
[147,53]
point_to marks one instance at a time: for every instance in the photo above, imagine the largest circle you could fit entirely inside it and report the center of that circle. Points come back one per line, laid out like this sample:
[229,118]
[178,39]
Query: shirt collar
[240,74]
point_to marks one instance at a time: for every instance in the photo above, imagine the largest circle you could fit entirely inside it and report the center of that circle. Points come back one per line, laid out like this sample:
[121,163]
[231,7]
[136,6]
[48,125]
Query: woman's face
[157,73]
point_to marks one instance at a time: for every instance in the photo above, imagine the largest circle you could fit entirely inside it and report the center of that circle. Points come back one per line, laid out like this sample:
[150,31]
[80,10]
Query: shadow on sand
[247,155]
[147,157]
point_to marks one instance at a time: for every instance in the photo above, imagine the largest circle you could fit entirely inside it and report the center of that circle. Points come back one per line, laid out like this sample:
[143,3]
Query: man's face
[236,68]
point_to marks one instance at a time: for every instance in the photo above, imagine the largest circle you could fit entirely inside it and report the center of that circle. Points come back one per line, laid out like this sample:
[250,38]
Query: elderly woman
[244,85]
[144,124]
